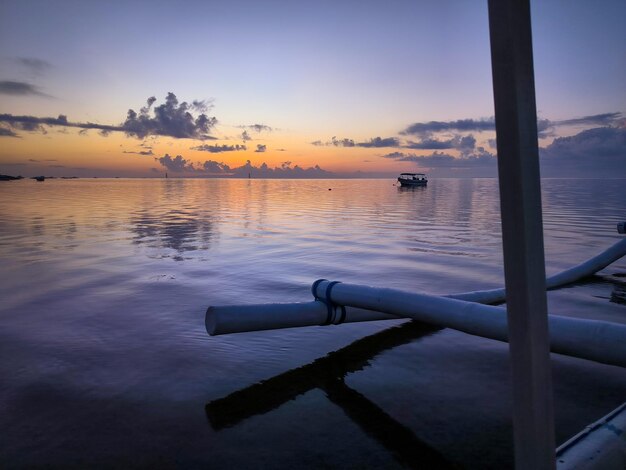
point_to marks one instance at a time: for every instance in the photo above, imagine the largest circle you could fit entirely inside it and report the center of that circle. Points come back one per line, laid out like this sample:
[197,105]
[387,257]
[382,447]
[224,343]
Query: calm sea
[105,362]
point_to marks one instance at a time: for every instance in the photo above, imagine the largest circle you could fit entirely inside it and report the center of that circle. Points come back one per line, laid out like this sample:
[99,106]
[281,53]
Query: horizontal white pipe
[598,341]
[589,339]
[242,318]
[600,446]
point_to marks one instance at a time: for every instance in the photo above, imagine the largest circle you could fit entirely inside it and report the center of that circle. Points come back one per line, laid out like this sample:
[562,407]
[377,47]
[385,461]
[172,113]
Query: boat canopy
[413,174]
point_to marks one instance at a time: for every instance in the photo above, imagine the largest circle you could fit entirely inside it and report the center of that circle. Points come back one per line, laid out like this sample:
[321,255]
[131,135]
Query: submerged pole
[522,232]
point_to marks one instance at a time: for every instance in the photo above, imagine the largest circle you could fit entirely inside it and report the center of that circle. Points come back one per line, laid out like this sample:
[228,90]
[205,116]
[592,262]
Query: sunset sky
[311,89]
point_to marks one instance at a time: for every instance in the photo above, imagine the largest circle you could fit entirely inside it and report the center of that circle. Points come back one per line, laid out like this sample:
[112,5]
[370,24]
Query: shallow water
[105,360]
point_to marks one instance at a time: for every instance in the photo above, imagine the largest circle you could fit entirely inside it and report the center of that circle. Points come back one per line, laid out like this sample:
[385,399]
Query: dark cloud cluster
[213,168]
[479,158]
[260,148]
[15,88]
[601,150]
[245,136]
[176,164]
[462,143]
[425,129]
[219,148]
[172,119]
[545,127]
[378,142]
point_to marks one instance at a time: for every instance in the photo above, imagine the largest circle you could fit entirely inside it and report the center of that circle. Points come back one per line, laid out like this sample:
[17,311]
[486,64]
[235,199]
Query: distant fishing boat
[412,179]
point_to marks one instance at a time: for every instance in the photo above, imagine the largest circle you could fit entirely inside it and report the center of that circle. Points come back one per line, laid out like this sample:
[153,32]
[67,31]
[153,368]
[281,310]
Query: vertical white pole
[522,232]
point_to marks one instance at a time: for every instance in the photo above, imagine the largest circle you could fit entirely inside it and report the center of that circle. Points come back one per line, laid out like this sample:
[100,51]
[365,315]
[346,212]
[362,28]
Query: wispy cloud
[141,152]
[605,119]
[219,148]
[245,136]
[375,142]
[36,67]
[257,128]
[172,119]
[15,88]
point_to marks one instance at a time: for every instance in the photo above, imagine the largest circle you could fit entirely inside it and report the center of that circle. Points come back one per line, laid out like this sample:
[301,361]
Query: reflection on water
[180,231]
[105,284]
[328,374]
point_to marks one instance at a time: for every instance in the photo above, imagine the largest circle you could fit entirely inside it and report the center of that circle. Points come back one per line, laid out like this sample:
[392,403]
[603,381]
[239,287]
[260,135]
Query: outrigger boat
[412,179]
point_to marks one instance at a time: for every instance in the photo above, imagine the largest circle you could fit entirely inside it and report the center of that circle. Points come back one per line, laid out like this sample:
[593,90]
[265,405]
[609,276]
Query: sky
[297,89]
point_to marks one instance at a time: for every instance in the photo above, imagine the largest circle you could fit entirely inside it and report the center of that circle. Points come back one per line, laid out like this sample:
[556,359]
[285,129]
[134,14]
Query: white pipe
[600,446]
[595,340]
[598,341]
[588,268]
[221,320]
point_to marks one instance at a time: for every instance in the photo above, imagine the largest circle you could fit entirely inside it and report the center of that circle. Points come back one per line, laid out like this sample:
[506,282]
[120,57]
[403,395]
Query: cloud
[4,132]
[598,151]
[545,127]
[284,171]
[375,142]
[458,142]
[177,164]
[215,168]
[380,142]
[258,128]
[36,67]
[261,148]
[424,129]
[245,137]
[141,152]
[219,148]
[479,158]
[211,168]
[341,142]
[172,119]
[15,88]
[604,119]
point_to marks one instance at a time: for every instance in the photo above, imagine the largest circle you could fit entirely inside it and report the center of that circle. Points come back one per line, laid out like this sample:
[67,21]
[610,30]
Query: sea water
[105,362]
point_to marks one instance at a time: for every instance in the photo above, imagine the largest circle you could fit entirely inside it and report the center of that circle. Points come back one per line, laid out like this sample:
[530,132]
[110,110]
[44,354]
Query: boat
[412,179]
[40,178]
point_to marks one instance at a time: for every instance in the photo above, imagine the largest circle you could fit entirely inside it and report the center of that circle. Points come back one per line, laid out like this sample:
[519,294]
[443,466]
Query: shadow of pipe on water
[327,374]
